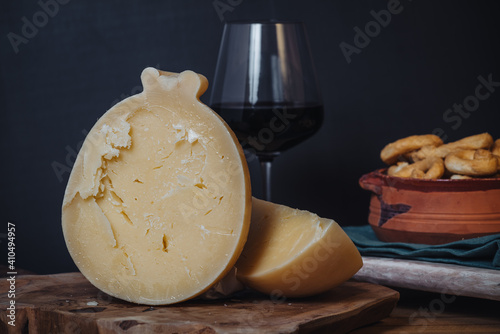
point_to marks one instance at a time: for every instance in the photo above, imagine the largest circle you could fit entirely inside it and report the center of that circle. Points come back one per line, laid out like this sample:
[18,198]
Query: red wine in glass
[268,128]
[265,88]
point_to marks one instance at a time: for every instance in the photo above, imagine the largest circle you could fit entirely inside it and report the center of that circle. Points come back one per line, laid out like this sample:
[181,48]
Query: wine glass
[265,88]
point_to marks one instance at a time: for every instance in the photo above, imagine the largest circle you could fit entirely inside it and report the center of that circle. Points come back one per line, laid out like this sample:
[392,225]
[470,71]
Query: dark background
[89,55]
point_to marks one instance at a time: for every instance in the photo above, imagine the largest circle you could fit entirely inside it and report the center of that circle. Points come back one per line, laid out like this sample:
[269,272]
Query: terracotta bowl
[431,211]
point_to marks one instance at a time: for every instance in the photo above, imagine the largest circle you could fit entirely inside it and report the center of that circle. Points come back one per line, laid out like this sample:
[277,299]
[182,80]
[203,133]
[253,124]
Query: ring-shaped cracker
[472,162]
[392,151]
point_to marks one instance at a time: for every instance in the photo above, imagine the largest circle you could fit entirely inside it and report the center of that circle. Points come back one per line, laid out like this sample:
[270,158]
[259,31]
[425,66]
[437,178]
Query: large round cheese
[157,207]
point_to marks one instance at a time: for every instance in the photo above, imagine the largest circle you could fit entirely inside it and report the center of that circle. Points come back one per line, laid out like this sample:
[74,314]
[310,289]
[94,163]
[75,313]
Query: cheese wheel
[157,206]
[295,253]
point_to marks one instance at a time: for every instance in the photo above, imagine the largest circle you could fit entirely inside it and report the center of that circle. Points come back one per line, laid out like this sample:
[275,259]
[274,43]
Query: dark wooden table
[425,312]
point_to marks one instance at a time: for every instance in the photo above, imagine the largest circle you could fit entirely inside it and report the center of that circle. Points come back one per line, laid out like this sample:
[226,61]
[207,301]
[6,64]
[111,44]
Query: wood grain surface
[68,303]
[429,276]
[429,312]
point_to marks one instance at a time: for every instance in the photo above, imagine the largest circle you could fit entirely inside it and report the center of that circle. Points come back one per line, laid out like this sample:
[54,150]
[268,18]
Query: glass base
[267,156]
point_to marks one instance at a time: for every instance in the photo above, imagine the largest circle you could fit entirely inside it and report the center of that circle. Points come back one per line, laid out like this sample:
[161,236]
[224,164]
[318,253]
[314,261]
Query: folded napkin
[483,252]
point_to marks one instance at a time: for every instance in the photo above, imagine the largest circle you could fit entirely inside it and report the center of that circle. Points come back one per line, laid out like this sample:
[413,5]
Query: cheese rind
[157,207]
[294,253]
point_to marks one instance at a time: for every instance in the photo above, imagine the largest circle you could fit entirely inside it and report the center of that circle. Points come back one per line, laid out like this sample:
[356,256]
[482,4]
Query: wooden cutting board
[68,303]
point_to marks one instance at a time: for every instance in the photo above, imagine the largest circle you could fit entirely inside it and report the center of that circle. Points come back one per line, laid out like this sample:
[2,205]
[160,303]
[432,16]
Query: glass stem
[265,167]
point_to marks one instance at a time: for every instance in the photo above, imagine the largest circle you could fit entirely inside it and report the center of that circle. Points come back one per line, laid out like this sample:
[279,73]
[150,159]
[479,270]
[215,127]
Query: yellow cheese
[157,207]
[295,253]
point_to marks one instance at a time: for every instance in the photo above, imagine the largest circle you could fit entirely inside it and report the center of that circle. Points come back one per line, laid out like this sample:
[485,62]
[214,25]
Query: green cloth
[483,252]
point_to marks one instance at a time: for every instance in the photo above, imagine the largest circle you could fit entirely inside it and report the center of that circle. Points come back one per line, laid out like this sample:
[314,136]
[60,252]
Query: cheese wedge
[157,207]
[295,253]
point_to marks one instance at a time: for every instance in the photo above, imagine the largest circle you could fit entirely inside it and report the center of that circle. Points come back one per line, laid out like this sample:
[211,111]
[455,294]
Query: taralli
[495,149]
[392,151]
[423,153]
[400,169]
[426,157]
[430,168]
[459,177]
[481,141]
[471,162]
